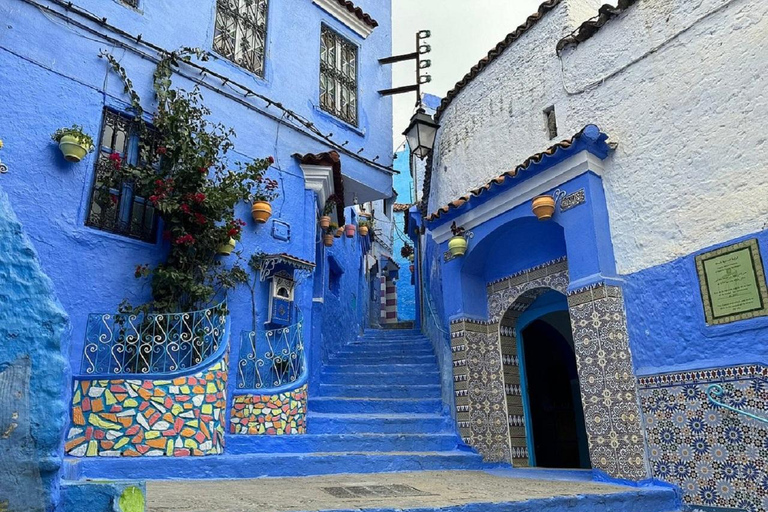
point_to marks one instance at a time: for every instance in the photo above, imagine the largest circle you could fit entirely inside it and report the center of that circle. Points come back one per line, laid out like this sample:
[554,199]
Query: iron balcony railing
[271,359]
[124,344]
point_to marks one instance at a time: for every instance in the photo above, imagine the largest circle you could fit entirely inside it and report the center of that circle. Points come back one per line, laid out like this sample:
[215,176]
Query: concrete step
[258,465]
[378,423]
[369,442]
[376,390]
[362,377]
[340,405]
[366,359]
[443,491]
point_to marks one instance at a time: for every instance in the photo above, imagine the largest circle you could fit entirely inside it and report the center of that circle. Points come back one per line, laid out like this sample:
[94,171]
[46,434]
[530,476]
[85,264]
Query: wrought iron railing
[120,344]
[715,393]
[271,359]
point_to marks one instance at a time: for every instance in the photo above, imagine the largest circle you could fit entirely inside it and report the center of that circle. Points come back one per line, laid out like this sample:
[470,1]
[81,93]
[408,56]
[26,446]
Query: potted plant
[328,238]
[263,195]
[349,230]
[227,248]
[325,219]
[363,227]
[543,207]
[336,230]
[73,142]
[407,252]
[457,245]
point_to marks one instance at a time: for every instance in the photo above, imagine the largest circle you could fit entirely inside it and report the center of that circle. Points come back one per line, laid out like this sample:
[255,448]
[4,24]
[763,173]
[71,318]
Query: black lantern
[421,133]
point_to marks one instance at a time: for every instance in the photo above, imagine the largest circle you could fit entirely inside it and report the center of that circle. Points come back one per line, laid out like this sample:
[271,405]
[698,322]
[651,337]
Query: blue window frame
[114,207]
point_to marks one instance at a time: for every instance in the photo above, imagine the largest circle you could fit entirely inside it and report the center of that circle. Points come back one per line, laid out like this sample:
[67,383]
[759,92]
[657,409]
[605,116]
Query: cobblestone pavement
[432,489]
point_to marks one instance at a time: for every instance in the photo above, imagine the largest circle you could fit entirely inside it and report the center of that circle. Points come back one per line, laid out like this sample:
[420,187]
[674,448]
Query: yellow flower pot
[458,246]
[261,211]
[543,207]
[363,230]
[72,149]
[227,248]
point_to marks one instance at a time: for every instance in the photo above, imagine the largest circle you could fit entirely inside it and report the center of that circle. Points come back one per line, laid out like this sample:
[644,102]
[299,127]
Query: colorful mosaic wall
[718,457]
[488,419]
[276,415]
[181,417]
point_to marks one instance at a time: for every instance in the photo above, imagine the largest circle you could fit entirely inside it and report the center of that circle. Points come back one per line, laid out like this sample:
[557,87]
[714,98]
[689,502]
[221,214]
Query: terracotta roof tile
[400,207]
[589,27]
[592,132]
[543,9]
[361,15]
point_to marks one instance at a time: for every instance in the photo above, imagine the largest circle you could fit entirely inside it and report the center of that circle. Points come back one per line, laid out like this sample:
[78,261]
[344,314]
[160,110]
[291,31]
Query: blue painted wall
[34,331]
[667,328]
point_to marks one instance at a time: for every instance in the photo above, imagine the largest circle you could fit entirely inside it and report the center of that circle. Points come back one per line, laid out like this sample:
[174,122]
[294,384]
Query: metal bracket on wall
[3,168]
[715,392]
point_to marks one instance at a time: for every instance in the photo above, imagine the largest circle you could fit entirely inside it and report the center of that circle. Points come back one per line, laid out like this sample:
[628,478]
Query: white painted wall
[680,85]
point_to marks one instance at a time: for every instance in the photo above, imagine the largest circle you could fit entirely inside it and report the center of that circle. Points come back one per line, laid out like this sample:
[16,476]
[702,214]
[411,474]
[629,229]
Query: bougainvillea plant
[186,176]
[406,251]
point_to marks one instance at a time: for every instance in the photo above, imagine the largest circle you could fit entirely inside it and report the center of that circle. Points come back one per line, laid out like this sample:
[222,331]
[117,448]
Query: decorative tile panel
[487,382]
[719,458]
[181,417]
[275,415]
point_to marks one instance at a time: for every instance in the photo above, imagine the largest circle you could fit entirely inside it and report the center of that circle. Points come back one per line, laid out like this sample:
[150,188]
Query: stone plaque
[732,283]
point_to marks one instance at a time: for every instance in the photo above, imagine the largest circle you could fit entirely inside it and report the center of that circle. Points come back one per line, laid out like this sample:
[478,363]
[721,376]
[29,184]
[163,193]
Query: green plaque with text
[732,283]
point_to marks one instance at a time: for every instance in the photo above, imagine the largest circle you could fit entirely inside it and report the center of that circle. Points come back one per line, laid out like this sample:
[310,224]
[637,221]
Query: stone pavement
[429,489]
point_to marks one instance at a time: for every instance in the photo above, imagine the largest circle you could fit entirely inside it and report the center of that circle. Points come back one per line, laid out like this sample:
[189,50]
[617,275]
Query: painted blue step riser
[340,443]
[353,378]
[378,359]
[351,425]
[267,465]
[394,343]
[386,352]
[391,339]
[365,406]
[380,391]
[380,368]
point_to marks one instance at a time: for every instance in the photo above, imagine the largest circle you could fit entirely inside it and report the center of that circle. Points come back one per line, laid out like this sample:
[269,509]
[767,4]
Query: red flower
[116,160]
[185,240]
[271,160]
[159,183]
[199,197]
[161,150]
[233,232]
[240,222]
[184,208]
[200,218]
[114,199]
[153,199]
[203,170]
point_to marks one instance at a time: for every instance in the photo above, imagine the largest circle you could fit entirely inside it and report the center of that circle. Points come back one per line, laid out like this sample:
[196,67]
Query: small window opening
[551,117]
[282,292]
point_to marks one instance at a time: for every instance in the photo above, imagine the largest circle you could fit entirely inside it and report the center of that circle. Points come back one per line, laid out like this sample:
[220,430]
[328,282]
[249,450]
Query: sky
[463,31]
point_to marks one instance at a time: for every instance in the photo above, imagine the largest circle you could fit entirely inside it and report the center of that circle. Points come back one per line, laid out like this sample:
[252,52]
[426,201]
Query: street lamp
[421,134]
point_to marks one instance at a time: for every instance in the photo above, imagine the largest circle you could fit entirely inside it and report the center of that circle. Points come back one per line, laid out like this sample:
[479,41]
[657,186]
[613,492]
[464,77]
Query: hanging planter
[328,239]
[227,248]
[261,211]
[458,245]
[543,207]
[363,227]
[325,222]
[73,143]
[349,230]
[337,231]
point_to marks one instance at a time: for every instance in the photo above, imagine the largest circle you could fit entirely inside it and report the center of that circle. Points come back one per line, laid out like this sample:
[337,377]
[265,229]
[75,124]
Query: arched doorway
[546,417]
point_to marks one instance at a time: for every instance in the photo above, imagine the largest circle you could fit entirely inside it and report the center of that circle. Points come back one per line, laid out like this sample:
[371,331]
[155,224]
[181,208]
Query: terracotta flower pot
[325,222]
[363,230]
[261,211]
[328,239]
[543,207]
[349,230]
[72,149]
[458,246]
[338,233]
[227,248]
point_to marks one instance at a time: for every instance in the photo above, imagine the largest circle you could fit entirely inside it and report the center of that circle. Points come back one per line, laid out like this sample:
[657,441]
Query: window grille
[338,76]
[114,207]
[241,32]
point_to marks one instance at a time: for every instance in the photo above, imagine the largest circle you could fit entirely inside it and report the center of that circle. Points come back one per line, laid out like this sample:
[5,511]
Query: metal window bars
[240,34]
[271,359]
[338,76]
[124,344]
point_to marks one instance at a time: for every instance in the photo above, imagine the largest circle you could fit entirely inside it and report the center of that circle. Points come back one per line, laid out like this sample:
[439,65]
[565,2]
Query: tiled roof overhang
[400,207]
[333,160]
[590,138]
[494,53]
[359,13]
[589,27]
